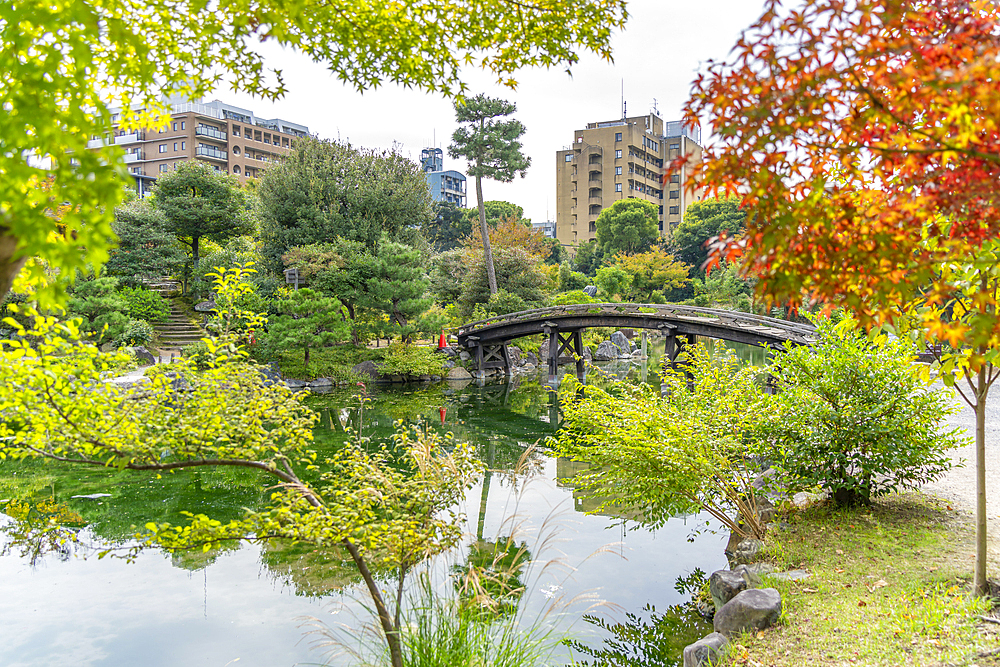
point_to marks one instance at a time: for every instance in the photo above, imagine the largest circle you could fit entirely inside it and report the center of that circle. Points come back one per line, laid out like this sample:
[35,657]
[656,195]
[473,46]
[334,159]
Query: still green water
[245,605]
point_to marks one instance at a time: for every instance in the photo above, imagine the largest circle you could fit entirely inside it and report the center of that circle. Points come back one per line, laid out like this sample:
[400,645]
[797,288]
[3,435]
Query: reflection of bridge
[487,339]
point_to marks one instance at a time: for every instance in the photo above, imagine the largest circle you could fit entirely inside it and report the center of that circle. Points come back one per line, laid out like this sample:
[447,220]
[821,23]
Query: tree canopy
[493,150]
[863,136]
[324,190]
[704,220]
[197,202]
[67,64]
[145,248]
[628,226]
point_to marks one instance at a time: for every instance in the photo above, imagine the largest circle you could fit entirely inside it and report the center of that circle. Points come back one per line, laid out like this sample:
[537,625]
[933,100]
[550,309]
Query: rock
[458,373]
[424,378]
[724,585]
[91,496]
[448,351]
[791,575]
[205,306]
[321,383]
[804,499]
[543,350]
[515,354]
[746,552]
[464,356]
[142,354]
[622,342]
[759,568]
[530,358]
[753,609]
[587,355]
[367,369]
[448,363]
[590,290]
[706,651]
[606,351]
[107,347]
[705,609]
[296,384]
[435,378]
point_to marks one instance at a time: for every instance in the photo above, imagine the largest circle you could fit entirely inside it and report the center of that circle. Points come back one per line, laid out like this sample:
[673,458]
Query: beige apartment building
[619,159]
[230,139]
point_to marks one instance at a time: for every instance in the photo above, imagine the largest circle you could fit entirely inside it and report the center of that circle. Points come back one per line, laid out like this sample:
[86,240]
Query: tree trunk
[9,267]
[385,619]
[194,253]
[980,584]
[306,358]
[487,251]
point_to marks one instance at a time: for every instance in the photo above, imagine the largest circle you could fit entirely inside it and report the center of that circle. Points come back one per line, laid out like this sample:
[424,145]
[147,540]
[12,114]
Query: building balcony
[134,157]
[210,132]
[593,150]
[595,181]
[126,139]
[211,153]
[595,200]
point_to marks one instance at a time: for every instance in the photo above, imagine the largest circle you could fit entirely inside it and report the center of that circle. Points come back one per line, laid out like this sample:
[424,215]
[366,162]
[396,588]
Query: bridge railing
[662,310]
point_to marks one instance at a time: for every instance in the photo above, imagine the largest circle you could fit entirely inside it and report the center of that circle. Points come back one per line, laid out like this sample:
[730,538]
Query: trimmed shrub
[144,304]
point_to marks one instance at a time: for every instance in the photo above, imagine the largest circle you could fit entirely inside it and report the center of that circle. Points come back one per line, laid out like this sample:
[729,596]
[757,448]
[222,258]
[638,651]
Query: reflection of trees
[490,578]
[638,642]
[310,571]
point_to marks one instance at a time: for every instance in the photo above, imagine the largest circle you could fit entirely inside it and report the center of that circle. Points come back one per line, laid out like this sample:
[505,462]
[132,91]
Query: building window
[175,127]
[175,145]
[183,145]
[236,168]
[236,150]
[618,187]
[236,130]
[675,210]
[618,136]
[618,171]
[182,125]
[675,194]
[569,157]
[163,168]
[618,154]
[661,209]
[163,148]
[675,178]
[675,147]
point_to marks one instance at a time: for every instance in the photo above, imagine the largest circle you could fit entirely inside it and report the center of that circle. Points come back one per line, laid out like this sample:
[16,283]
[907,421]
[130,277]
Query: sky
[664,44]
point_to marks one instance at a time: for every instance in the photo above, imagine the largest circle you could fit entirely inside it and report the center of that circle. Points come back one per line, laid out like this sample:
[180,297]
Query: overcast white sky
[657,55]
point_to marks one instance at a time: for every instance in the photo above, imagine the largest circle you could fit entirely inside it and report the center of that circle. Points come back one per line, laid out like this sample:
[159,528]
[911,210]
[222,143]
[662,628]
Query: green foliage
[858,418]
[703,220]
[448,226]
[690,449]
[136,332]
[570,298]
[101,307]
[236,312]
[397,287]
[570,280]
[144,304]
[306,319]
[628,226]
[324,190]
[516,269]
[652,271]
[613,281]
[589,257]
[411,360]
[198,202]
[497,211]
[725,288]
[238,250]
[327,362]
[146,249]
[448,271]
[504,302]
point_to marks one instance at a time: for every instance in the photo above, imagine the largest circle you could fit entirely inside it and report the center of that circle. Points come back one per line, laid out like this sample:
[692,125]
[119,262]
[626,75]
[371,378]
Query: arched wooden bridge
[487,340]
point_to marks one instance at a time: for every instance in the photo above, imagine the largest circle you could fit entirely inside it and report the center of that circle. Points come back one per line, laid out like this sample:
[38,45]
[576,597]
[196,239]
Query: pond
[245,605]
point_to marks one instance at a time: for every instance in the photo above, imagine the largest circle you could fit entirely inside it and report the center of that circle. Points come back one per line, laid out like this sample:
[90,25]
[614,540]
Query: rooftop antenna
[656,111]
[624,115]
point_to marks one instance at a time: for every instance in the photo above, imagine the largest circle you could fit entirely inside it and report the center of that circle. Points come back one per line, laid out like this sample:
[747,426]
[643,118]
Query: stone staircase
[179,330]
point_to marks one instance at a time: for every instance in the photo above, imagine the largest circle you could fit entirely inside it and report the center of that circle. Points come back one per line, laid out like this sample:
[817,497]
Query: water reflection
[242,602]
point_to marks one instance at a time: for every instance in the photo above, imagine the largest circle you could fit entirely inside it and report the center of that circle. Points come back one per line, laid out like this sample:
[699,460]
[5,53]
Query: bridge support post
[553,354]
[581,364]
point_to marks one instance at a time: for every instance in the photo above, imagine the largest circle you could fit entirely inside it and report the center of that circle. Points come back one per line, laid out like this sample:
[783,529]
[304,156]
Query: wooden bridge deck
[488,338]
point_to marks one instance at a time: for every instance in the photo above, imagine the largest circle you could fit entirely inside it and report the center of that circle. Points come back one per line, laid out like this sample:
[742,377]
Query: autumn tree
[864,137]
[492,147]
[628,226]
[199,203]
[65,66]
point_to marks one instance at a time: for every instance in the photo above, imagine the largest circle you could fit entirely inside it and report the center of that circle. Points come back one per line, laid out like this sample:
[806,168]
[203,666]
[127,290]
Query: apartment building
[448,186]
[620,159]
[229,138]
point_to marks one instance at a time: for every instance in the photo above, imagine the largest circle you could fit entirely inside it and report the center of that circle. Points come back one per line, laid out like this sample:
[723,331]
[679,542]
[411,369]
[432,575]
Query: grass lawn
[889,586]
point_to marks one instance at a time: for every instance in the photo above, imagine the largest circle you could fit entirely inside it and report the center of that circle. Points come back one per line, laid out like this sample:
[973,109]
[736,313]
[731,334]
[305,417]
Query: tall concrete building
[230,139]
[444,185]
[621,159]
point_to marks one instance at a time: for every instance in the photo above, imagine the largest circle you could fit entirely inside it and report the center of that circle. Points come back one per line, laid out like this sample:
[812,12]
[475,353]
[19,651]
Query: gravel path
[959,484]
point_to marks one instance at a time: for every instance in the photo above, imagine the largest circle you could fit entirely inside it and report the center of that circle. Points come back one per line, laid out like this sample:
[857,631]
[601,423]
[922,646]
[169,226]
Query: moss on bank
[889,585]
